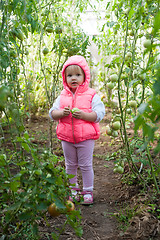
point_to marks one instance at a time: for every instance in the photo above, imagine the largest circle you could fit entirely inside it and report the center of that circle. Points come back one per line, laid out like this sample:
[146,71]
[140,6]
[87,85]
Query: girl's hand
[66,111]
[78,114]
[90,116]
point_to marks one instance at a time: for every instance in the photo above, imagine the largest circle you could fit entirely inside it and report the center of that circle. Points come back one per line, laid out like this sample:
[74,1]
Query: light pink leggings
[80,154]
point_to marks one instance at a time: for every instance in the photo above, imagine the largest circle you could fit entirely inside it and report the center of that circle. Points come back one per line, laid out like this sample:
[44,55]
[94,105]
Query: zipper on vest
[73,100]
[73,131]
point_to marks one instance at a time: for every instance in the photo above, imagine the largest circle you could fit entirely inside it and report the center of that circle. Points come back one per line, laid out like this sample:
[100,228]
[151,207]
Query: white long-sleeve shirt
[97,106]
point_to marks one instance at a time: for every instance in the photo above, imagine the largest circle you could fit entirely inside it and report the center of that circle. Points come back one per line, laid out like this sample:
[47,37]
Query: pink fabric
[77,130]
[80,154]
[71,129]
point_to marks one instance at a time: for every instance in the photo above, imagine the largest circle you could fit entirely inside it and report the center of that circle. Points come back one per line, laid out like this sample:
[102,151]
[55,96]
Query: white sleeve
[56,106]
[98,107]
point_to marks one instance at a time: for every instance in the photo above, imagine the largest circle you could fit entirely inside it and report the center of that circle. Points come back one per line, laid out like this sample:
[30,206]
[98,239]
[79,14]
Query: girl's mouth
[74,83]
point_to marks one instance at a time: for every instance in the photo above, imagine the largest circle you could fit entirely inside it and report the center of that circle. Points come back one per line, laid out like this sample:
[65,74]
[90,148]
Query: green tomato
[120,169]
[75,110]
[114,77]
[110,85]
[147,43]
[117,118]
[4,94]
[49,29]
[131,33]
[123,76]
[38,172]
[122,164]
[116,125]
[45,51]
[129,110]
[114,134]
[132,103]
[58,30]
[142,76]
[108,131]
[115,170]
[128,56]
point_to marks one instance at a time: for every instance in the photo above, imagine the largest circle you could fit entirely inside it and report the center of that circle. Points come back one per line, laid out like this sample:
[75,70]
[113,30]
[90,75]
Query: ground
[100,221]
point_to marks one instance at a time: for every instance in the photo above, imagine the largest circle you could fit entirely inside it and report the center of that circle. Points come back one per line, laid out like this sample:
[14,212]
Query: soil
[111,197]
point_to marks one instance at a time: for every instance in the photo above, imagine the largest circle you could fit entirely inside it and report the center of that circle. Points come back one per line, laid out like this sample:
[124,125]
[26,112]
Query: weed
[123,216]
[154,209]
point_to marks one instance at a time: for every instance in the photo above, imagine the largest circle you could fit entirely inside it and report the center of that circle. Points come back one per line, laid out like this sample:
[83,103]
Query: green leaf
[148,131]
[14,206]
[131,12]
[54,236]
[22,163]
[138,121]
[51,180]
[110,24]
[42,196]
[35,229]
[142,148]
[26,135]
[25,215]
[2,160]
[42,206]
[142,108]
[4,61]
[157,23]
[19,139]
[70,176]
[58,202]
[33,25]
[156,86]
[157,148]
[26,147]
[14,186]
[132,82]
[79,231]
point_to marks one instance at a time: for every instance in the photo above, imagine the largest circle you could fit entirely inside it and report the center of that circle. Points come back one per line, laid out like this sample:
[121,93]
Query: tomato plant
[132,66]
[35,40]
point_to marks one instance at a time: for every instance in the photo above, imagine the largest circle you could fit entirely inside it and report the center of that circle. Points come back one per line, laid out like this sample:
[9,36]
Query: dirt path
[97,220]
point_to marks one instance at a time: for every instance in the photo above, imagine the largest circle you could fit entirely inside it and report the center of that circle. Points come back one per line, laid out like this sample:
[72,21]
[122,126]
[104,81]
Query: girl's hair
[76,66]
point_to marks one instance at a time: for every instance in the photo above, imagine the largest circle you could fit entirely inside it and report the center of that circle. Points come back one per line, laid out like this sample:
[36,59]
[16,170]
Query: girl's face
[74,76]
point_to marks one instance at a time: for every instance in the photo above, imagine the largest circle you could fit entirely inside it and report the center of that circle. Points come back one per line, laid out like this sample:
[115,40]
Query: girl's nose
[73,76]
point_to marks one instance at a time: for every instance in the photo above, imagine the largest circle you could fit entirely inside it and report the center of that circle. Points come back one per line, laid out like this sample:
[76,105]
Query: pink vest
[75,130]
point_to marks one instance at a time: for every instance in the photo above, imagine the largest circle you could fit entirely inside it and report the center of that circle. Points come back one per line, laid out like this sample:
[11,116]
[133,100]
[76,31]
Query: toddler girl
[79,129]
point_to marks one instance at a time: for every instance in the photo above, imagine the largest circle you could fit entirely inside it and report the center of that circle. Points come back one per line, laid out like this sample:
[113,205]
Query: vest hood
[81,62]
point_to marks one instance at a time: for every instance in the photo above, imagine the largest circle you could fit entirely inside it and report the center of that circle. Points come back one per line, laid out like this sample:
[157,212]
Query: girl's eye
[69,75]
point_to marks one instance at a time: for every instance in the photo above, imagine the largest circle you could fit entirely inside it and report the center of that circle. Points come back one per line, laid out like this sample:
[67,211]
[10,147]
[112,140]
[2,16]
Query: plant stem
[152,170]
[123,117]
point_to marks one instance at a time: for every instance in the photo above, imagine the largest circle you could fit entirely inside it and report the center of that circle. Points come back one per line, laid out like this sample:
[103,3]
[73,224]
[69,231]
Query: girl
[78,129]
